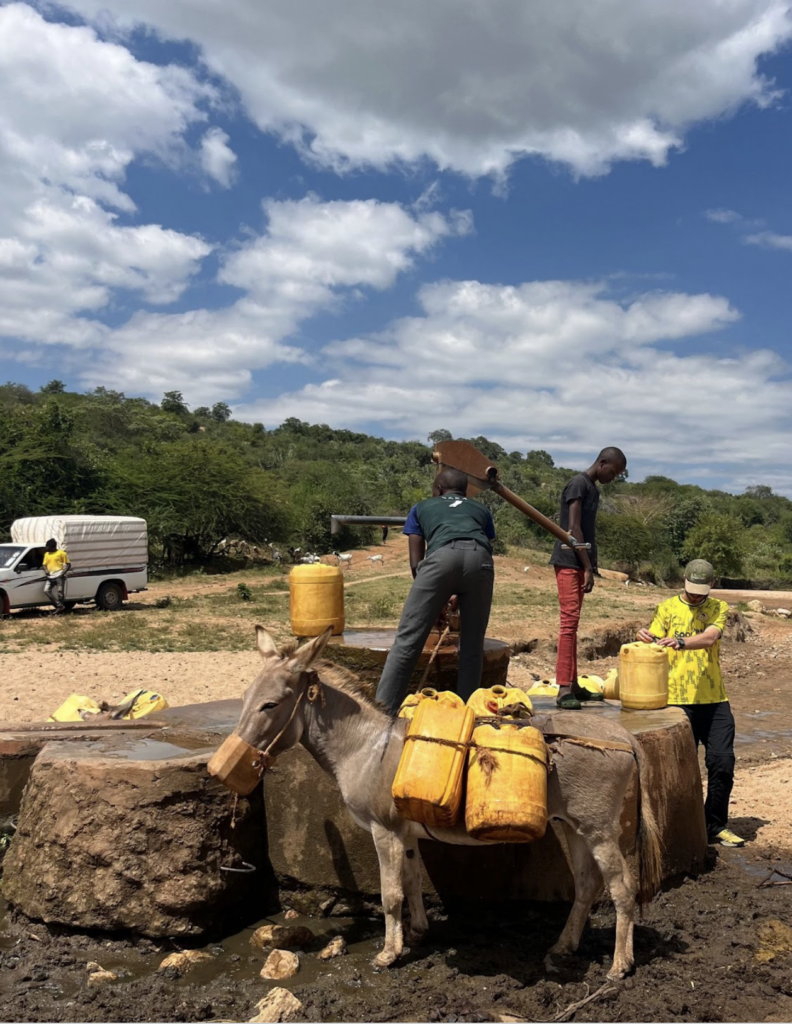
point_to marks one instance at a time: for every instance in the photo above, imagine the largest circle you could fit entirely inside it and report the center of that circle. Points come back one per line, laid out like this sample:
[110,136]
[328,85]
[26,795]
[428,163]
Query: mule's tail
[650,854]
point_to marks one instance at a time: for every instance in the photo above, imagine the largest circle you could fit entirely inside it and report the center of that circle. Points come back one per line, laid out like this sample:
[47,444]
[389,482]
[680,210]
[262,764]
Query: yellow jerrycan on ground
[506,799]
[316,599]
[611,687]
[428,784]
[643,676]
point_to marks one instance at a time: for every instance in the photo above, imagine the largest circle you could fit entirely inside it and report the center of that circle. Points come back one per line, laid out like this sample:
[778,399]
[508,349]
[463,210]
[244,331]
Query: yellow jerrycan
[411,702]
[428,783]
[316,599]
[611,687]
[643,676]
[236,764]
[594,684]
[506,799]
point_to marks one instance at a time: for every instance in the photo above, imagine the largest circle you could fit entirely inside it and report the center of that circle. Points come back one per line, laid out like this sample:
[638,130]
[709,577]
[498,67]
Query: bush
[718,539]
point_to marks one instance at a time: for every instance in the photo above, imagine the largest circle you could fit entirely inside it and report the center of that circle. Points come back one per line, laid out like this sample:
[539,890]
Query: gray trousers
[463,568]
[56,590]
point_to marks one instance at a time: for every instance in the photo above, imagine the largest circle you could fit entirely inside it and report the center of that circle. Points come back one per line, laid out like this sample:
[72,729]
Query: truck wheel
[109,597]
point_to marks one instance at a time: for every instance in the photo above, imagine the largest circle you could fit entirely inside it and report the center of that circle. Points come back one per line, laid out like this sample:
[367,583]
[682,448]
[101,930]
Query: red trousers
[570,600]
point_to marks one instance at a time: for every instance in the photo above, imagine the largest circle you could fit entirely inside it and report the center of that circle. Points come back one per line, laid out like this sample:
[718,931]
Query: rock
[100,977]
[280,964]
[105,841]
[335,947]
[785,613]
[183,962]
[290,915]
[282,936]
[277,1006]
[327,905]
[755,606]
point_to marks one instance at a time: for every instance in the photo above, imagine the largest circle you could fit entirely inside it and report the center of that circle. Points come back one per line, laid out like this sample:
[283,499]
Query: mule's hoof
[385,959]
[619,972]
[551,965]
[415,938]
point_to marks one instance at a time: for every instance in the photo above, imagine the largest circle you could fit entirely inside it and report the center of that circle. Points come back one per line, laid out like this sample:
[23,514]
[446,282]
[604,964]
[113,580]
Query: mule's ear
[266,645]
[309,653]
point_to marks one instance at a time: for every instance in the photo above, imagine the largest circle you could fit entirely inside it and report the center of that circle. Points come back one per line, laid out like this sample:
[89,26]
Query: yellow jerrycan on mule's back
[316,599]
[507,770]
[428,784]
[643,676]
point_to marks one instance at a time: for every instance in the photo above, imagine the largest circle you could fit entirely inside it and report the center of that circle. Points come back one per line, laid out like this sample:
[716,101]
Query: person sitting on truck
[56,564]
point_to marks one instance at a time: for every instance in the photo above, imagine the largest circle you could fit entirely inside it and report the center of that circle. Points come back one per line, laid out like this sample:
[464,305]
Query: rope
[433,655]
[472,745]
[313,690]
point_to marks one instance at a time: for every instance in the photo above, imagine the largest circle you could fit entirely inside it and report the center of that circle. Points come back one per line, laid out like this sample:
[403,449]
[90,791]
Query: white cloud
[561,365]
[74,113]
[312,256]
[474,85]
[769,240]
[722,216]
[217,157]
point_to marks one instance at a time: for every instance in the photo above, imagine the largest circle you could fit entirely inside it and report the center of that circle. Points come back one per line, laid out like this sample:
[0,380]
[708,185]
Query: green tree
[540,456]
[173,402]
[624,539]
[54,387]
[683,517]
[440,435]
[221,412]
[718,539]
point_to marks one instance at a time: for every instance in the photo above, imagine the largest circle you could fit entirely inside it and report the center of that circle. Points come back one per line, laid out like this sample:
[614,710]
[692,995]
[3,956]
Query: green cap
[699,576]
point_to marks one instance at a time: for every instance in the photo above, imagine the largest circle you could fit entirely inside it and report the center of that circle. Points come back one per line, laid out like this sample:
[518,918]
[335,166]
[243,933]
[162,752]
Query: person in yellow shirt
[691,626]
[55,564]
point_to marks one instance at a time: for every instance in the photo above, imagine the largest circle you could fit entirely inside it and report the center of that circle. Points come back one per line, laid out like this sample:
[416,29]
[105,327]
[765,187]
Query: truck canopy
[91,542]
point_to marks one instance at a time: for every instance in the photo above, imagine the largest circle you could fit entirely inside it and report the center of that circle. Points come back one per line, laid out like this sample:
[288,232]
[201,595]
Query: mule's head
[268,718]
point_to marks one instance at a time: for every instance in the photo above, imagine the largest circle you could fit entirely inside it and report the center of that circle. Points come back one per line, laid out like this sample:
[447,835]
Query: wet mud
[710,949]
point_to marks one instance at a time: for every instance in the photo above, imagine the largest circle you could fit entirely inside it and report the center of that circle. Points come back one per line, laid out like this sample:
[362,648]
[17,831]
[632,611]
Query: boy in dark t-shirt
[450,554]
[574,577]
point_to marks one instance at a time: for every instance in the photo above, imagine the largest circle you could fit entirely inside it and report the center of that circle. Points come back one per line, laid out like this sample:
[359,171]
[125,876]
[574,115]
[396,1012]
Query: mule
[297,699]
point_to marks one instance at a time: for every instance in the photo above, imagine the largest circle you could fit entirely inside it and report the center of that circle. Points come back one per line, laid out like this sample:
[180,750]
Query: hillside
[199,476]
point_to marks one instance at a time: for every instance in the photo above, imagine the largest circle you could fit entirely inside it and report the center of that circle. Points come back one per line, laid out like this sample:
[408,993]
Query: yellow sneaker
[728,838]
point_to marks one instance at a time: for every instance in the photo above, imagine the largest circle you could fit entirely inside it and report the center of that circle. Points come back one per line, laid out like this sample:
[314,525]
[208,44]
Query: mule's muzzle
[238,765]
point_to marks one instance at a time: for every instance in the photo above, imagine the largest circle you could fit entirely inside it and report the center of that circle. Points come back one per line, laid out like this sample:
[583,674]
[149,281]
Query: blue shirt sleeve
[489,529]
[412,526]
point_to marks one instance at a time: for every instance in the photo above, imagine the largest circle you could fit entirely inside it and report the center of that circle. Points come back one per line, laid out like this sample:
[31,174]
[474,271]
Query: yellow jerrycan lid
[411,702]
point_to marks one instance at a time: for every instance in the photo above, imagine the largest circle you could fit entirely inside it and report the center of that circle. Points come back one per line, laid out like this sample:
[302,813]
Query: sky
[561,226]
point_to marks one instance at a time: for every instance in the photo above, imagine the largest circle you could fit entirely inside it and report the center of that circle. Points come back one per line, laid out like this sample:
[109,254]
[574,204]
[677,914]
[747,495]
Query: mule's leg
[588,882]
[390,853]
[622,887]
[419,925]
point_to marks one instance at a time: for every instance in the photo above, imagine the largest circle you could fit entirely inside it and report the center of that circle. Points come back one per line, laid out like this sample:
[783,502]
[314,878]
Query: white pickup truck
[108,557]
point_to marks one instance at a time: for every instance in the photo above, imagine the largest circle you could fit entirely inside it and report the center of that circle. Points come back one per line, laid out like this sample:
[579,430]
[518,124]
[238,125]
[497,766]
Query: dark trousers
[464,568]
[713,726]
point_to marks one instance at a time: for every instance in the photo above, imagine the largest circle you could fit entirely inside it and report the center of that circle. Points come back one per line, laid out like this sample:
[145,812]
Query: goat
[345,560]
[375,558]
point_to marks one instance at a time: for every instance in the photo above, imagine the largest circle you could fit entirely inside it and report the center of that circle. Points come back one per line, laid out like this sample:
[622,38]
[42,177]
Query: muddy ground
[714,948]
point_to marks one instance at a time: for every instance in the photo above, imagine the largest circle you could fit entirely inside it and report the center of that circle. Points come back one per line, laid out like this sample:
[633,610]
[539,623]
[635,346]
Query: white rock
[280,964]
[282,936]
[183,962]
[100,977]
[784,613]
[755,606]
[277,1006]
[335,947]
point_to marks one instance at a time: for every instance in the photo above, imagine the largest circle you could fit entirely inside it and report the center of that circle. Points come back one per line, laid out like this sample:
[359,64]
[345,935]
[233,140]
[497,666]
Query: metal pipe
[336,522]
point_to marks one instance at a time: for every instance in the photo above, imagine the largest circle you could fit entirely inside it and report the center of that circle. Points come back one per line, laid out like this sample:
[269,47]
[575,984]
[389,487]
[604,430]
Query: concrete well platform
[363,651]
[127,830]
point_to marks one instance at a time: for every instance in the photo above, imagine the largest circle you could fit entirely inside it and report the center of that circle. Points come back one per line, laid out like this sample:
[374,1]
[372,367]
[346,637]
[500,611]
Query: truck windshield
[9,554]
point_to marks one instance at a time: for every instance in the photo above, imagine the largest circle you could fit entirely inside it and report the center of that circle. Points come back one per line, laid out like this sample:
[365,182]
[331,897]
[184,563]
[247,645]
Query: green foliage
[201,477]
[173,401]
[717,538]
[244,593]
[624,540]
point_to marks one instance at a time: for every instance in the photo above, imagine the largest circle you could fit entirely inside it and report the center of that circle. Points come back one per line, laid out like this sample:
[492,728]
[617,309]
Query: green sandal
[586,695]
[568,702]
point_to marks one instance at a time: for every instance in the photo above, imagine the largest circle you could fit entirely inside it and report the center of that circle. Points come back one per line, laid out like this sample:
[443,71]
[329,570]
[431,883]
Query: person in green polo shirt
[450,555]
[691,626]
